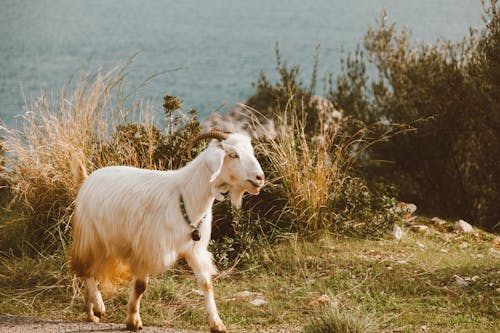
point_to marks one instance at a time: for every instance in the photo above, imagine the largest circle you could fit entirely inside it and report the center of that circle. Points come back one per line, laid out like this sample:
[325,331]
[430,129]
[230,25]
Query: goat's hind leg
[93,300]
[133,320]
[203,267]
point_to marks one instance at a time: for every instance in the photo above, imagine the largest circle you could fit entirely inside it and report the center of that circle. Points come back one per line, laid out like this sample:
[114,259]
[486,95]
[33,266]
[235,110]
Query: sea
[220,46]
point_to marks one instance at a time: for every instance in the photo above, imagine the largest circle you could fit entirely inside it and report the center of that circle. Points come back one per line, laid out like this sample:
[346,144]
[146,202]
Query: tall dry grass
[39,150]
[310,169]
[314,168]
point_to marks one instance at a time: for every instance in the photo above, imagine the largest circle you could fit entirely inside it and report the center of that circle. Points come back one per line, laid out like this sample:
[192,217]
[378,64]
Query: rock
[242,118]
[406,208]
[246,294]
[437,221]
[494,252]
[397,232]
[459,281]
[321,300]
[462,226]
[258,302]
[419,228]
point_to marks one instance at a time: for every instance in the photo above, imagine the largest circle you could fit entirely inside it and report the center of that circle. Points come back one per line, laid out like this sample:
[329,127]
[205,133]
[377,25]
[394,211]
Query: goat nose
[260,177]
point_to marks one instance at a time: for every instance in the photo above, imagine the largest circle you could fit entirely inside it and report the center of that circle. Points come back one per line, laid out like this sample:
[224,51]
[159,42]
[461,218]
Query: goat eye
[234,155]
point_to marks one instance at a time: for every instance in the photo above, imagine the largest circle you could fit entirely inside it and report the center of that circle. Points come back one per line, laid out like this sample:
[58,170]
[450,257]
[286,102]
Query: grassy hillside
[385,285]
[313,252]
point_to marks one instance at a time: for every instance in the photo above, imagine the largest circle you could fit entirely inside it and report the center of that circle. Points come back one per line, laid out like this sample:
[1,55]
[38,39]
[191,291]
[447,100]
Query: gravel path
[13,324]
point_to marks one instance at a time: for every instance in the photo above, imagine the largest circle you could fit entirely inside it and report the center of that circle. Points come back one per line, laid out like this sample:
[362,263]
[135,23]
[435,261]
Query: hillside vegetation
[321,248]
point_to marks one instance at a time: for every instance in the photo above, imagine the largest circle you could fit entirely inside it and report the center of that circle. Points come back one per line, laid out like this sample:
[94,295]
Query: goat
[140,220]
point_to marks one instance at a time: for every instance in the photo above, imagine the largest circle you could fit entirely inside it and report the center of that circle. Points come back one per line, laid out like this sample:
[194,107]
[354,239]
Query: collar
[195,235]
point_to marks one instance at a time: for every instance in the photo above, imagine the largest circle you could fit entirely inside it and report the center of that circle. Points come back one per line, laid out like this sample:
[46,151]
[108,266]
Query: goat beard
[237,196]
[236,193]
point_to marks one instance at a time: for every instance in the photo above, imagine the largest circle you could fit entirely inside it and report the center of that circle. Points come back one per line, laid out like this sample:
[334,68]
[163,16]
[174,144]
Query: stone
[462,226]
[419,228]
[460,281]
[437,221]
[406,208]
[245,295]
[397,232]
[258,302]
[242,118]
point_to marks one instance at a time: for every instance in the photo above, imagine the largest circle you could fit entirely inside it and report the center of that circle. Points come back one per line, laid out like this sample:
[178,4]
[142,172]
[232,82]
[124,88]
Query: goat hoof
[133,327]
[92,316]
[93,319]
[134,324]
[218,329]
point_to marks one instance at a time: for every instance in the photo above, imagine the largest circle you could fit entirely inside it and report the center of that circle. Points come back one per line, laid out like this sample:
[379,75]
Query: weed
[334,320]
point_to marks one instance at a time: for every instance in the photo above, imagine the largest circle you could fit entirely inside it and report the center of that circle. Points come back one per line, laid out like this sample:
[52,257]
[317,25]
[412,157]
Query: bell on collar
[195,235]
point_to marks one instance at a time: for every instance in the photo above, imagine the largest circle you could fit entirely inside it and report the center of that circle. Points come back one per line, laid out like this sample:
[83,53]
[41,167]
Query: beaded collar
[195,235]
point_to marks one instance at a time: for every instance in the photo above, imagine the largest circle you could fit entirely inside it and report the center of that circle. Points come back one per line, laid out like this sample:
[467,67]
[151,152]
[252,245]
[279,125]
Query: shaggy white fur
[130,218]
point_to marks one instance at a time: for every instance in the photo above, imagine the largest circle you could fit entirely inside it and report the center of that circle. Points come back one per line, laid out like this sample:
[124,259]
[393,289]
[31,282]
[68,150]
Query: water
[223,44]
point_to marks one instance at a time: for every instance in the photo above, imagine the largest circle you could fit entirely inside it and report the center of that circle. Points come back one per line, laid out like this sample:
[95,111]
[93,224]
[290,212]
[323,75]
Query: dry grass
[38,152]
[311,171]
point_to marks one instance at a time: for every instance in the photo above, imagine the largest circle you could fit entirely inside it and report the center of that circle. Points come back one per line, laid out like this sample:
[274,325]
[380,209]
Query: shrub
[449,93]
[92,120]
[269,99]
[310,167]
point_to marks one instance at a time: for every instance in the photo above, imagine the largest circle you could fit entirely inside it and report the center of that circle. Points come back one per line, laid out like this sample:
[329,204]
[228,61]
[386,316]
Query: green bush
[310,167]
[449,93]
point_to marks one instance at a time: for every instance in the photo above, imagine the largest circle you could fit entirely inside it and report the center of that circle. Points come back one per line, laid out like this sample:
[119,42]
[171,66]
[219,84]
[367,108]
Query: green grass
[404,286]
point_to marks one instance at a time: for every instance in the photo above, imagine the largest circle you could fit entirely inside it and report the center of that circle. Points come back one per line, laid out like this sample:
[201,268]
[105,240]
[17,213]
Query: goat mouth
[255,187]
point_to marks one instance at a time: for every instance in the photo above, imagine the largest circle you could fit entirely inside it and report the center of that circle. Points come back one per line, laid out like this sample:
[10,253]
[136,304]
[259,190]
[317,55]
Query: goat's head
[232,164]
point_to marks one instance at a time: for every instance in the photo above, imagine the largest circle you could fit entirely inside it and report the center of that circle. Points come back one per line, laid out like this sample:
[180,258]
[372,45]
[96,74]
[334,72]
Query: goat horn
[214,134]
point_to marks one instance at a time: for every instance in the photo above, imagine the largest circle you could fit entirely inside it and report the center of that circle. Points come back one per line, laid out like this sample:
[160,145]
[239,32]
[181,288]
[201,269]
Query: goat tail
[78,170]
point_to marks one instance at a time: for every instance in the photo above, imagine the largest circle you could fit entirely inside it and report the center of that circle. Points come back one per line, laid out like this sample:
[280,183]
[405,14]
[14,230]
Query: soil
[14,324]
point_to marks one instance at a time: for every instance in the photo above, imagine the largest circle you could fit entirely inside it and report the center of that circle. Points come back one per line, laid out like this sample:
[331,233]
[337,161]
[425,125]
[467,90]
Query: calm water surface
[224,44]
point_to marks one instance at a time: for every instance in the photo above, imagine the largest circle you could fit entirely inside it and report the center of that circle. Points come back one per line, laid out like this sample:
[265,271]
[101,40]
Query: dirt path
[13,324]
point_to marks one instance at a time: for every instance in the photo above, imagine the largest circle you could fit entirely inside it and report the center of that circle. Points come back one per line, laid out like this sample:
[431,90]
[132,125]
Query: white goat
[132,218]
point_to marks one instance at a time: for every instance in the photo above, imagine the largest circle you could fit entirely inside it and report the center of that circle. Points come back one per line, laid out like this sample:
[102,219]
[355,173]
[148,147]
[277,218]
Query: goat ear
[214,160]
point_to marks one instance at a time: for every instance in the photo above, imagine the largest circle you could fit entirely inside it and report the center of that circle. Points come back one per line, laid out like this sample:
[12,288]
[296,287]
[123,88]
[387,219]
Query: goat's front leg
[202,265]
[133,320]
[93,300]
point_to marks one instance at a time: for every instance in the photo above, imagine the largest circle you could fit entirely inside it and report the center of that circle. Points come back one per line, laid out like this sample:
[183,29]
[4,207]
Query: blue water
[224,44]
